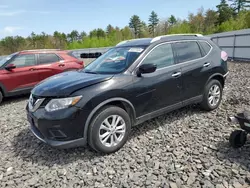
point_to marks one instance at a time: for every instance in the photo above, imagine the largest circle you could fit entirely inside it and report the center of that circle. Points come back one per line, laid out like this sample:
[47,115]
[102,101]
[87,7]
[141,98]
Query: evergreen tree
[239,5]
[172,20]
[135,24]
[225,12]
[153,22]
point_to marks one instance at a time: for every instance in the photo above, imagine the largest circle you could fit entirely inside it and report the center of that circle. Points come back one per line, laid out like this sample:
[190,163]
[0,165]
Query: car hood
[64,84]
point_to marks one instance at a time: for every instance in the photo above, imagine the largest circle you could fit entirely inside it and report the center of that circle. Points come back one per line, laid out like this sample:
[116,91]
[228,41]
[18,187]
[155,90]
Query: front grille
[35,102]
[45,102]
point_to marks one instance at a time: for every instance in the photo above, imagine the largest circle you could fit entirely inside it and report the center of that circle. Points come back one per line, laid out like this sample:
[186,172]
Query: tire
[96,131]
[206,103]
[1,97]
[237,138]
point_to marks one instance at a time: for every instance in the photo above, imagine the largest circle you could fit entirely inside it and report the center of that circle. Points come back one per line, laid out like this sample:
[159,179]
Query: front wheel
[109,129]
[212,95]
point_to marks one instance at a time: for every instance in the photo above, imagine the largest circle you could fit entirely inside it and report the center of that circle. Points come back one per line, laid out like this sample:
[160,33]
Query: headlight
[58,104]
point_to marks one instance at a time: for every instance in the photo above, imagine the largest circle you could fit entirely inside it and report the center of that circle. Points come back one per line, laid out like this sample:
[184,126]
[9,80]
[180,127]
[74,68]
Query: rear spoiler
[90,55]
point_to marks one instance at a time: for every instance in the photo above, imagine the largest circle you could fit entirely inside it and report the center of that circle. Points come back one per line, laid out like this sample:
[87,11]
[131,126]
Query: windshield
[114,61]
[5,59]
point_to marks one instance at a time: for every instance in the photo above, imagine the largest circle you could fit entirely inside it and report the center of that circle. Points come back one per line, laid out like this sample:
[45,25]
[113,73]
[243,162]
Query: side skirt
[18,92]
[167,109]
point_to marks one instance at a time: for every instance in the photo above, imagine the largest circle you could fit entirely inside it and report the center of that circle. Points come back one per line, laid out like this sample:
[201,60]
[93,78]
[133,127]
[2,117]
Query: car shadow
[238,156]
[14,99]
[29,148]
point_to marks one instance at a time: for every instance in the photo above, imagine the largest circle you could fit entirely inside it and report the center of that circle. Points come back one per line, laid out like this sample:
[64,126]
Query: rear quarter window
[48,58]
[205,46]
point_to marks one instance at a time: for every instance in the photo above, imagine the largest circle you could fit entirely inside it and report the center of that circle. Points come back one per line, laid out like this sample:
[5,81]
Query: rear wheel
[109,129]
[1,97]
[237,138]
[212,95]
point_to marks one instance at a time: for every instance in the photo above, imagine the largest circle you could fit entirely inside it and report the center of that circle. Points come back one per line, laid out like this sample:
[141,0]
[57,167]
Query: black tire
[205,102]
[94,129]
[1,97]
[237,138]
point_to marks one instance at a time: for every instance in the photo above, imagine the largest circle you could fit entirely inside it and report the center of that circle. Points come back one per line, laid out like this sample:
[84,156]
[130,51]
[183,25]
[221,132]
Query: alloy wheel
[214,95]
[112,130]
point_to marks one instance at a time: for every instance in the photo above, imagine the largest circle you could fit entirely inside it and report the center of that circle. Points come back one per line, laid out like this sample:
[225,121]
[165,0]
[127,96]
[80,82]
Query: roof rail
[125,41]
[184,34]
[40,50]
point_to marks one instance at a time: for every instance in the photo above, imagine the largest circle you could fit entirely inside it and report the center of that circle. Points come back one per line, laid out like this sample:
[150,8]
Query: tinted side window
[24,60]
[162,56]
[187,51]
[48,58]
[205,46]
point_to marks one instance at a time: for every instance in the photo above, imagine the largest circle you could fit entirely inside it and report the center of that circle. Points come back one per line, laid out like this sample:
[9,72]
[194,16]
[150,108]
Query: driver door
[24,76]
[161,89]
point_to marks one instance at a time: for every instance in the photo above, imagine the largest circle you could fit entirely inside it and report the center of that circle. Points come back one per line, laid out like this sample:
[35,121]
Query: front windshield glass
[114,61]
[5,59]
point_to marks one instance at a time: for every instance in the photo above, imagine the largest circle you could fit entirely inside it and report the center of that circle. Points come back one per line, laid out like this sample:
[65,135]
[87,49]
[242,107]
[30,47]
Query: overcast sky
[21,17]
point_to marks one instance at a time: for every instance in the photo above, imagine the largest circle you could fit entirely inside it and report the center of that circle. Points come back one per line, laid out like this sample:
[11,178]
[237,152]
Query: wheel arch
[3,89]
[117,101]
[217,76]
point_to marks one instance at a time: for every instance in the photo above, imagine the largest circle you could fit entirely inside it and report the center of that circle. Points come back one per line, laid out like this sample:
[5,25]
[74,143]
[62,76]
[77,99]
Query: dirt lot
[185,148]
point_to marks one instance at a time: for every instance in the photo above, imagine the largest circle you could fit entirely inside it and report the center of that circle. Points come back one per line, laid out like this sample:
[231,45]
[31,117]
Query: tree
[172,20]
[82,35]
[153,22]
[100,33]
[239,5]
[73,36]
[110,29]
[197,21]
[211,18]
[126,33]
[135,24]
[145,31]
[225,12]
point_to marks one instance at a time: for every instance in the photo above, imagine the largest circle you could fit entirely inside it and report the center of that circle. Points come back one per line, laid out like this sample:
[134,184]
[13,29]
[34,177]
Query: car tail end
[77,60]
[224,59]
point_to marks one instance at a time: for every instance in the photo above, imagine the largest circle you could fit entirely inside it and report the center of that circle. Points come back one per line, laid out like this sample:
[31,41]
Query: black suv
[132,82]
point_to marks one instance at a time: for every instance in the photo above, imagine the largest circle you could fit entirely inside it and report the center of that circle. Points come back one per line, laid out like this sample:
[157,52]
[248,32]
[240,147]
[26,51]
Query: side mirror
[10,67]
[146,68]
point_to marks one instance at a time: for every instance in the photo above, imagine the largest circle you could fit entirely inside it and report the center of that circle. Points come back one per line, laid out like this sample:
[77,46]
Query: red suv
[21,71]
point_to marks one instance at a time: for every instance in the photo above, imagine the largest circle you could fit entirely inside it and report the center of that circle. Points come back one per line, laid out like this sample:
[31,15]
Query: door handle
[61,65]
[206,65]
[32,69]
[177,74]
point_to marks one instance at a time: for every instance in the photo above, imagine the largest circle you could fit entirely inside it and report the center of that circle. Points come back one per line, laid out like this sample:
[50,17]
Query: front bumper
[59,144]
[61,130]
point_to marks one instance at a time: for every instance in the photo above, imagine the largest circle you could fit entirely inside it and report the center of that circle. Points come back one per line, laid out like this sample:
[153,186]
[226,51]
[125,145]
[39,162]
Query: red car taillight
[80,62]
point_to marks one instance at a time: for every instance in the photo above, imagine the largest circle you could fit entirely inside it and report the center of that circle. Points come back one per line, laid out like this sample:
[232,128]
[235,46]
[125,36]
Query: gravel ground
[185,148]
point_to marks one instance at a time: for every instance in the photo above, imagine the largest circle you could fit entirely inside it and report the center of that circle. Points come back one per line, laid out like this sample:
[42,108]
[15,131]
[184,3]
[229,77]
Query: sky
[21,17]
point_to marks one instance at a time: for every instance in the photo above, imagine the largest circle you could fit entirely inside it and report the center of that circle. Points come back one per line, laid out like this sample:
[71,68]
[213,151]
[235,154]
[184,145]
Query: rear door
[24,76]
[195,68]
[49,64]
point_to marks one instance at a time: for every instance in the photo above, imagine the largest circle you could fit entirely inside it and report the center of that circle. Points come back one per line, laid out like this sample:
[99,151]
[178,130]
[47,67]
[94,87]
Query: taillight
[80,62]
[224,55]
[224,58]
